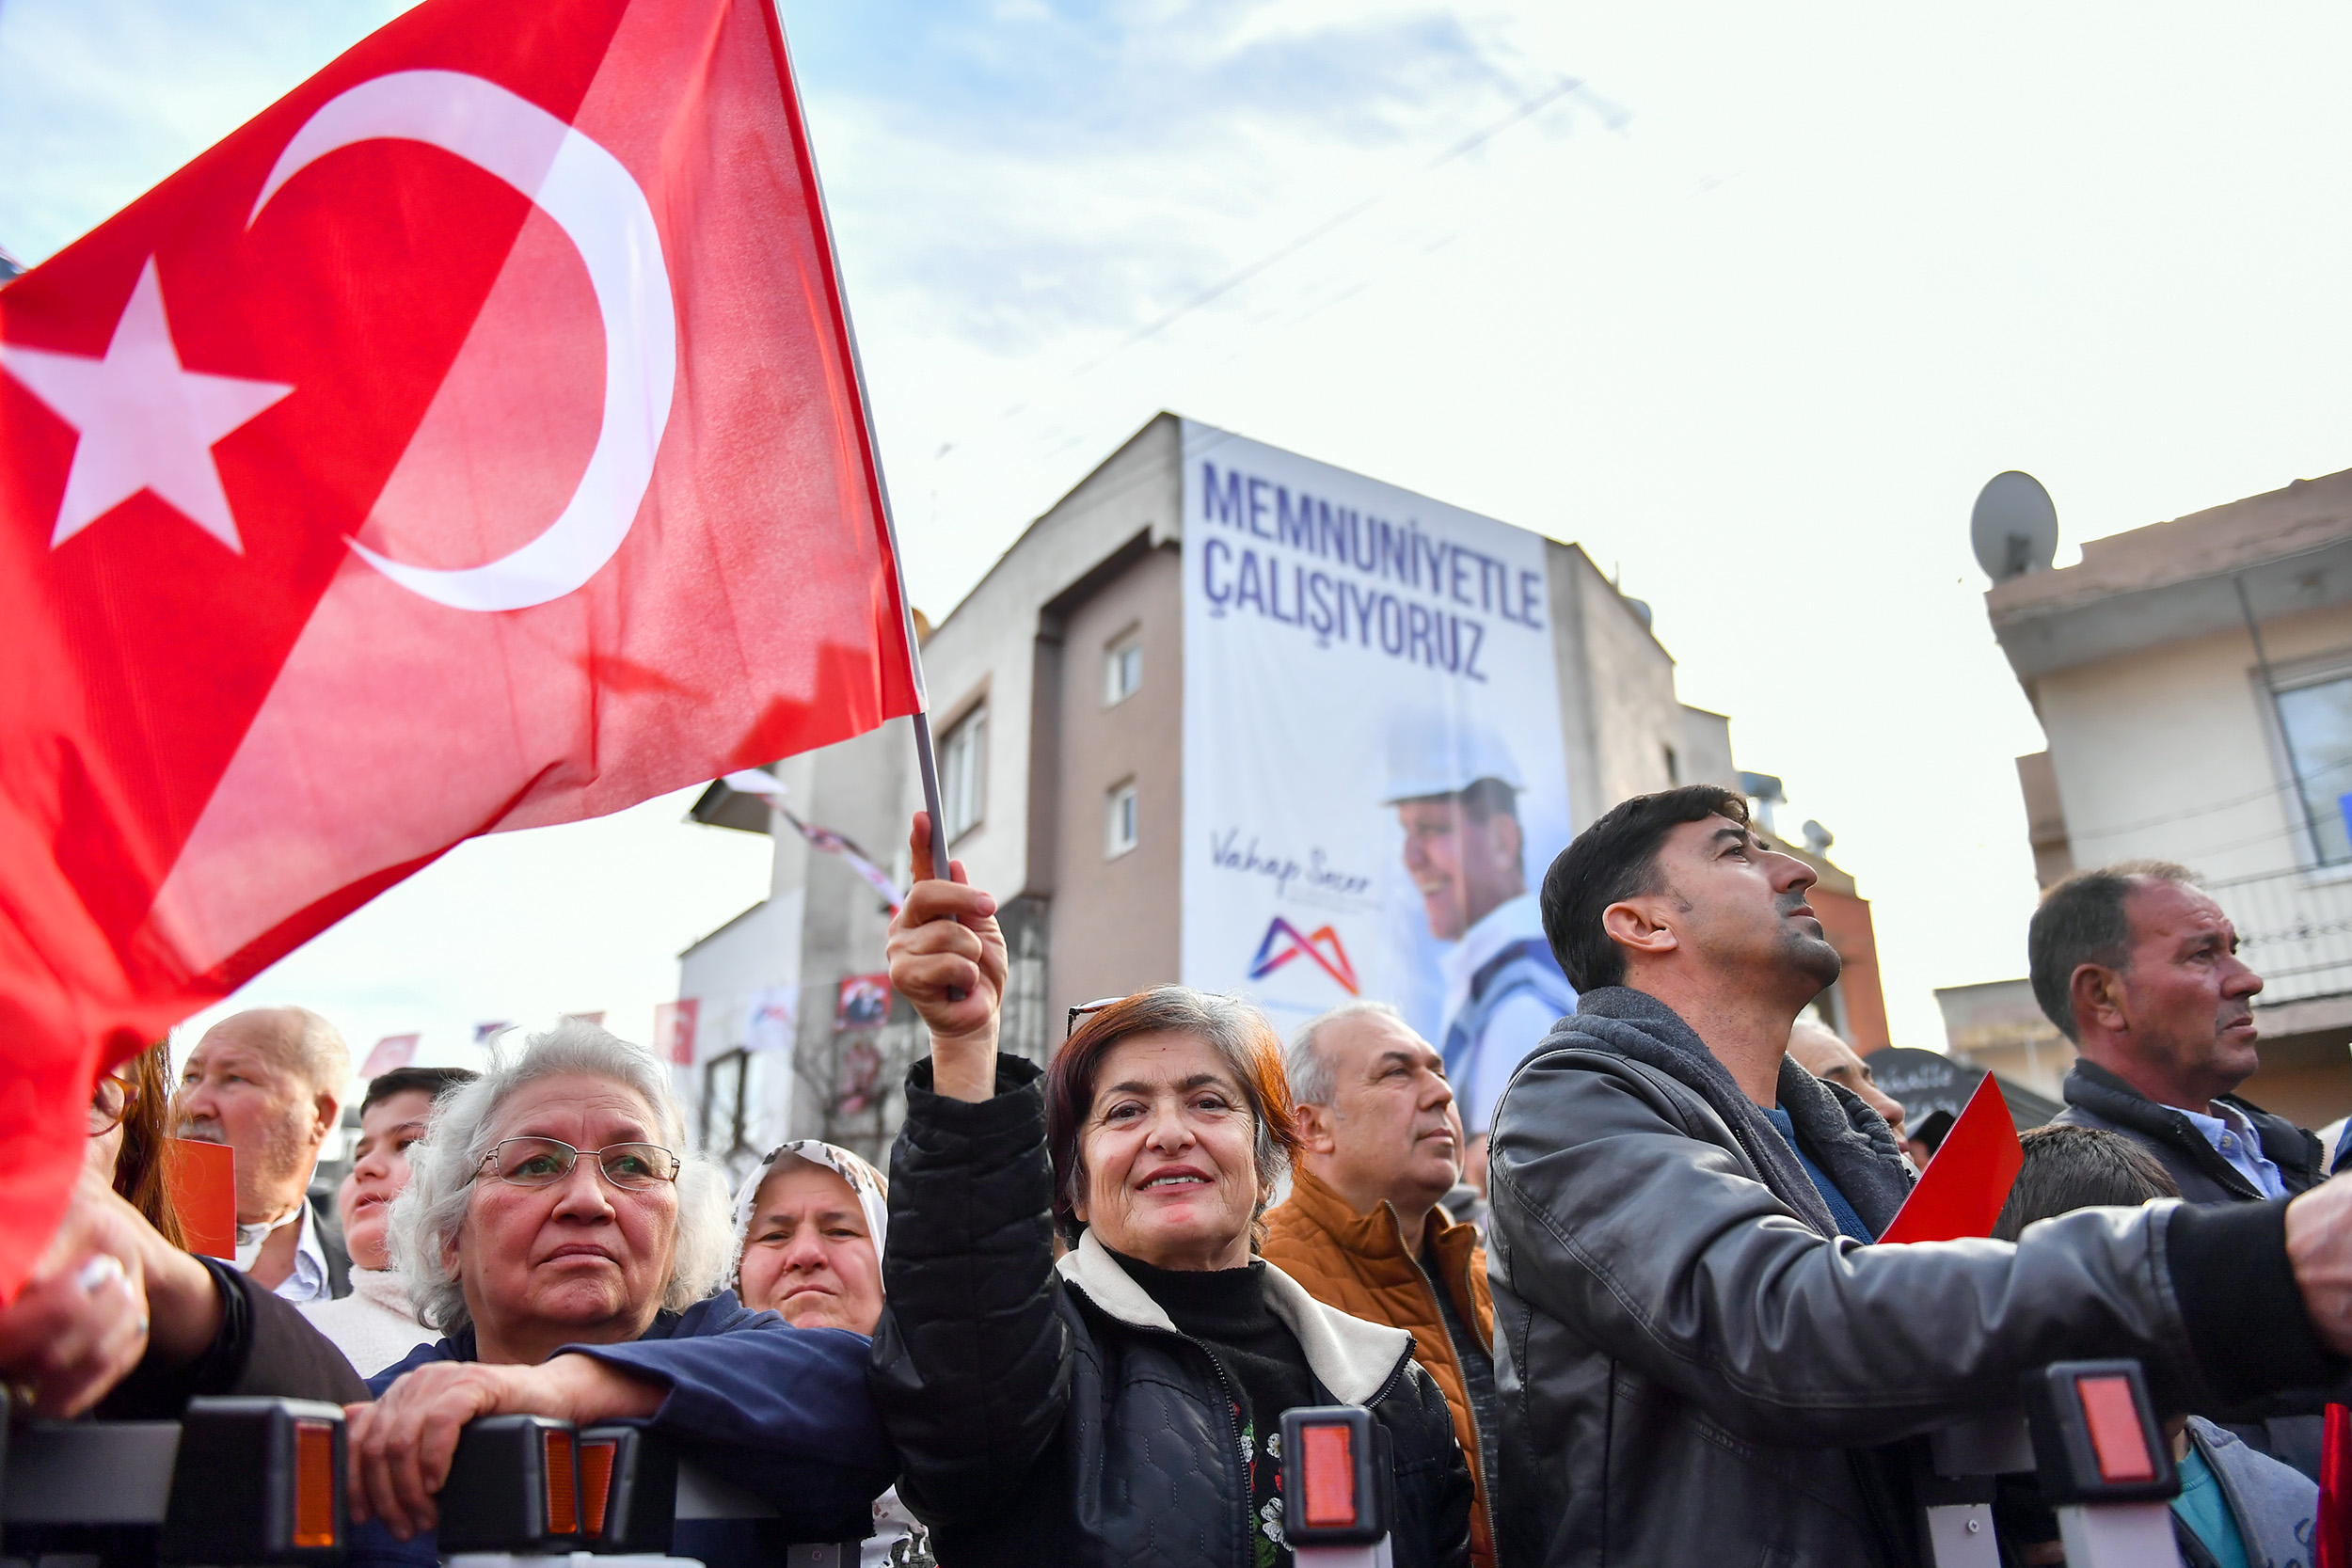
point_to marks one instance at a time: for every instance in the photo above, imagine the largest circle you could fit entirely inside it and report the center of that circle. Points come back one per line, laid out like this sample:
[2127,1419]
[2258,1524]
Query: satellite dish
[2014,527]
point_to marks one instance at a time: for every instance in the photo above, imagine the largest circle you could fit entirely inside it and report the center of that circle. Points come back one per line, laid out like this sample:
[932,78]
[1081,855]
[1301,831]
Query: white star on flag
[146,423]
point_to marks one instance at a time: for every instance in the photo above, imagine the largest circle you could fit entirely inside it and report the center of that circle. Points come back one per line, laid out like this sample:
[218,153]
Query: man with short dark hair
[1362,1229]
[1697,1343]
[377,1324]
[2139,967]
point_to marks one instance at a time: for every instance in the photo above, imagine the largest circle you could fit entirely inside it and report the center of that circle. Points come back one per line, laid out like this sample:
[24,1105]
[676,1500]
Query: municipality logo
[1282,943]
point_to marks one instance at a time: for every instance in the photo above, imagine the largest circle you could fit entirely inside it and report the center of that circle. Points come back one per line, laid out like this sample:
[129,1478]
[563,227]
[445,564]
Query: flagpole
[925,754]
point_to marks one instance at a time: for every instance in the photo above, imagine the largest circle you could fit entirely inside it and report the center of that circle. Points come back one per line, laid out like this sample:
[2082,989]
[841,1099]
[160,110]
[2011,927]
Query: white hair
[426,1217]
[1303,1060]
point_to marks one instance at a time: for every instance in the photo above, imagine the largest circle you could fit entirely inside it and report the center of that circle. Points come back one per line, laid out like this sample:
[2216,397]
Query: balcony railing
[2294,930]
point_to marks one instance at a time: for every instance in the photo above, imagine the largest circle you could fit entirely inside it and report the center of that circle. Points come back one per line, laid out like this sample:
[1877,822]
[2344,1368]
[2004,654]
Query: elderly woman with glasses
[1124,1406]
[569,1255]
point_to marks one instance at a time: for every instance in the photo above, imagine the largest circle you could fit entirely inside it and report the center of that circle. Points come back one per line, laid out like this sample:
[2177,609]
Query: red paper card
[201,1179]
[1961,1191]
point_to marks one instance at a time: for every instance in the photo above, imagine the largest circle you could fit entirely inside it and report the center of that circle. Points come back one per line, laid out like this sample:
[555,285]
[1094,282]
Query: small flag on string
[673,1029]
[760,782]
[392,1051]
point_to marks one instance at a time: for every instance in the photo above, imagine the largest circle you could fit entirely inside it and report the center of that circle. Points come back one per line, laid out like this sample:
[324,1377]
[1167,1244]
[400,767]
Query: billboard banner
[1374,775]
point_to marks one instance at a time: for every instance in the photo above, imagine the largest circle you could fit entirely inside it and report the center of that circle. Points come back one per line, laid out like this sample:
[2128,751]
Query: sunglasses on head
[1083,1008]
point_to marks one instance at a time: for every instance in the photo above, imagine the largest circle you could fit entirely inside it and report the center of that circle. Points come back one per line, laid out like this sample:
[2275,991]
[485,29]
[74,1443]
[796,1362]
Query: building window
[2316,723]
[1674,767]
[1119,821]
[1122,669]
[963,773]
[726,1103]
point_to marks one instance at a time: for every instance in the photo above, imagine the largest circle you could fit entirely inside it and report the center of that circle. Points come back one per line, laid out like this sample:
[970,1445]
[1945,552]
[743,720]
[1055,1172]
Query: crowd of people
[1065,1326]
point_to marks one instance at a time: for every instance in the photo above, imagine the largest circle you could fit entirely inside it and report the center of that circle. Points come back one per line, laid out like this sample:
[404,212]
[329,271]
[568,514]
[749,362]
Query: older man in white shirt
[270,1084]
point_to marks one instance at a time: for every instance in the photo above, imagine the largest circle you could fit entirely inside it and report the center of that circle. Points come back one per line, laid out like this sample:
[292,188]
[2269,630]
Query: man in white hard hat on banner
[1455,789]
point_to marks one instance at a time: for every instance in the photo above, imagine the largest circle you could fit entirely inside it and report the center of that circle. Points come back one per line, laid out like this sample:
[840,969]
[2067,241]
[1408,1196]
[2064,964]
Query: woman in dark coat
[1120,1407]
[571,1258]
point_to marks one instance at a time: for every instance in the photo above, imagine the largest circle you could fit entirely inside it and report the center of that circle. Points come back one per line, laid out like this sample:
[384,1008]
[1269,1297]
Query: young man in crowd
[2236,1506]
[2139,967]
[376,1323]
[269,1083]
[1362,1229]
[1696,1344]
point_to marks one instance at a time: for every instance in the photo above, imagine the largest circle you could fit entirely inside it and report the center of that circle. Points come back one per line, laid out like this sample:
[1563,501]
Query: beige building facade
[2194,683]
[1056,690]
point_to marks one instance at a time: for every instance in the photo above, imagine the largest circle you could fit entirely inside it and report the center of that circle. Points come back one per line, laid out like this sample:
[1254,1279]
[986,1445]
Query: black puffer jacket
[1054,1415]
[2100,1099]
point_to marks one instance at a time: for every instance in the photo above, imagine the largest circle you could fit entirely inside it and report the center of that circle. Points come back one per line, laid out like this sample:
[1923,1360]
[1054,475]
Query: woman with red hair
[1122,1405]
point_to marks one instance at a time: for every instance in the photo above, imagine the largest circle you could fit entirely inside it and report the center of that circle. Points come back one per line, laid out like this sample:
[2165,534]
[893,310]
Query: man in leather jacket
[1697,1348]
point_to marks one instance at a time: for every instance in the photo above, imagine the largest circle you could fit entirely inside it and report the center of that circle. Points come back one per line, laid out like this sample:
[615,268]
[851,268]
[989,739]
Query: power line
[1612,113]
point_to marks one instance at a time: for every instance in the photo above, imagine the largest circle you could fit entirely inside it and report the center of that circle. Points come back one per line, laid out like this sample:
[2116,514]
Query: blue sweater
[781,1412]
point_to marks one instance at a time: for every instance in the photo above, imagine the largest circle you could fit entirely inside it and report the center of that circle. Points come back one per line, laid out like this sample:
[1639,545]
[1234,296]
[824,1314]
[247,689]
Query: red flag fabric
[2332,1531]
[471,441]
[1961,1191]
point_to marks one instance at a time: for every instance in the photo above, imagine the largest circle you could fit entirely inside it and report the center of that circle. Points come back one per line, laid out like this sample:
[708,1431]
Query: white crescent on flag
[599,207]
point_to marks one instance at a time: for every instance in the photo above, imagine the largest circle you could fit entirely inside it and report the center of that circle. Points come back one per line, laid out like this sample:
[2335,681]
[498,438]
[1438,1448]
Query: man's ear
[1315,1127]
[2097,994]
[1510,839]
[328,1110]
[1639,925]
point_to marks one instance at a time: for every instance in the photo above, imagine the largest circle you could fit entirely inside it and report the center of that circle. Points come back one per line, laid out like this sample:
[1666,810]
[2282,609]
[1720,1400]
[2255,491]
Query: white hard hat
[1438,754]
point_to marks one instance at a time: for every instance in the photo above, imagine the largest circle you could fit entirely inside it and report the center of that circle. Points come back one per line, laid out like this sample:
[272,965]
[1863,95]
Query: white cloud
[1756,341]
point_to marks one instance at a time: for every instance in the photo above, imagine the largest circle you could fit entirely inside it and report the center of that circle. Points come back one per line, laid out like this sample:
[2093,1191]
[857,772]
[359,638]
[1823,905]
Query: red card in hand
[1961,1191]
[201,1179]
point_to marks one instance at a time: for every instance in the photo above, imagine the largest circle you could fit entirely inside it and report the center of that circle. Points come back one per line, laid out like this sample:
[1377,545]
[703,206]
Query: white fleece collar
[1351,1357]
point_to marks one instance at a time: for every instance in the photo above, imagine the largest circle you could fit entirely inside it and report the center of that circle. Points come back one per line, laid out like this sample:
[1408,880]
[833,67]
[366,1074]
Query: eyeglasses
[545,1162]
[1083,1008]
[110,1101]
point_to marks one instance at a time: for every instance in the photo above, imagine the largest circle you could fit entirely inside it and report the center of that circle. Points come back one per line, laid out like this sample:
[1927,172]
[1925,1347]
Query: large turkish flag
[471,441]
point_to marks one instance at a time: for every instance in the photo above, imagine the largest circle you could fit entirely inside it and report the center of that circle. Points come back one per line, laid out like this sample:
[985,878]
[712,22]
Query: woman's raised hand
[948,960]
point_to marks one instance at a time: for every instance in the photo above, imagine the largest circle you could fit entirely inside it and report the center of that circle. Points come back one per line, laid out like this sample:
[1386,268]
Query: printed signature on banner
[1316,880]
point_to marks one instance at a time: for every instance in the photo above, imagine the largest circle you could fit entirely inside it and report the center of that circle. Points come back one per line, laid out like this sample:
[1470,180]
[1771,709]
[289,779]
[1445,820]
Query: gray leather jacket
[1692,1373]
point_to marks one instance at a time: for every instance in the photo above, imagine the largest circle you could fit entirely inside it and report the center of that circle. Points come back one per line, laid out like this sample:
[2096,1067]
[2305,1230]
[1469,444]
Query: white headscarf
[872,1187]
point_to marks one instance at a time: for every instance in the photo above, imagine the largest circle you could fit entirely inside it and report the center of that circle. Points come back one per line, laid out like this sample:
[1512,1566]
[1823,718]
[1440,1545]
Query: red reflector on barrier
[1330,1461]
[563,1503]
[596,1480]
[314,1484]
[2116,1435]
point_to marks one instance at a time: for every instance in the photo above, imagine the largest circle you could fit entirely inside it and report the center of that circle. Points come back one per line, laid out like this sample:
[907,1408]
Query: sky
[1748,302]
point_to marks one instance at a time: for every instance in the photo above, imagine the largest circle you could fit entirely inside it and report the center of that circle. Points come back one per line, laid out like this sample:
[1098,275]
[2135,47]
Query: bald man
[270,1084]
[1820,1052]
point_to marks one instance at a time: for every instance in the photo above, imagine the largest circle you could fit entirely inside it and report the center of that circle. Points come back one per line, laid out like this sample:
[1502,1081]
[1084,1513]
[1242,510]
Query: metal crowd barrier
[2089,1437]
[261,1483]
[1339,1490]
